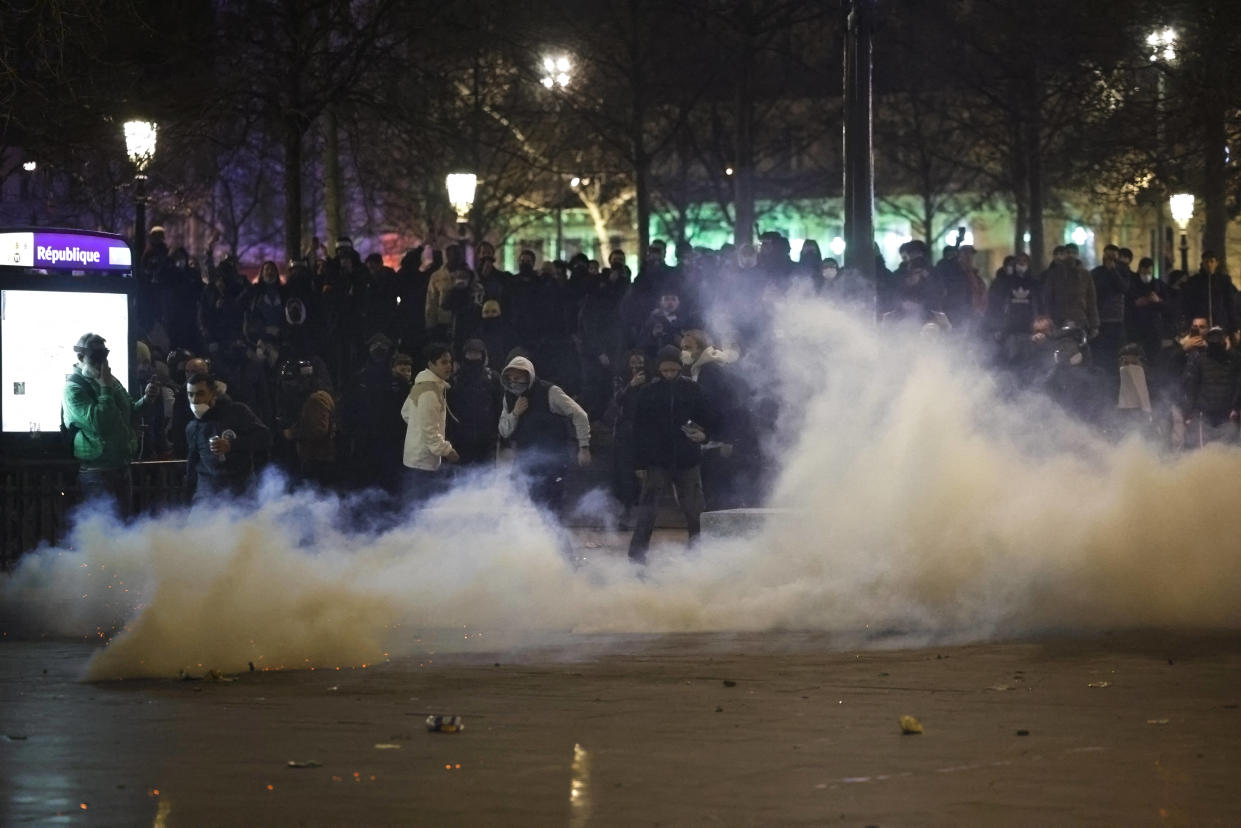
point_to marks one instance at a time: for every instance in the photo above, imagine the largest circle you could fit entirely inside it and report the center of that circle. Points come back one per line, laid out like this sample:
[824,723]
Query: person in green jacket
[98,412]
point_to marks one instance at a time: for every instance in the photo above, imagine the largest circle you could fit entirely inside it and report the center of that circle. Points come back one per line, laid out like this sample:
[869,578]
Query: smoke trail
[913,499]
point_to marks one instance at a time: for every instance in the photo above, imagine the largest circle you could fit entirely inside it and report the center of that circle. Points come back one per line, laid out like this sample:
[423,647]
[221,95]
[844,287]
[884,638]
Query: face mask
[199,409]
[1021,269]
[90,371]
[1146,277]
[687,358]
[517,387]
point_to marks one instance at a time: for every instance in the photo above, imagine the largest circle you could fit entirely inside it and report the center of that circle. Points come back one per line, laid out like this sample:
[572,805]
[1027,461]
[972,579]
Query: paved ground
[772,729]
[782,728]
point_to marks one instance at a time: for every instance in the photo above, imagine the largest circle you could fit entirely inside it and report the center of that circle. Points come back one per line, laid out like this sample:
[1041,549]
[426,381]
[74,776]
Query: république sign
[64,251]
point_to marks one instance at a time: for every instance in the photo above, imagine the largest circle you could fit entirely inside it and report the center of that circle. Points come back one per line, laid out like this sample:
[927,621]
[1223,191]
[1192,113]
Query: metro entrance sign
[64,250]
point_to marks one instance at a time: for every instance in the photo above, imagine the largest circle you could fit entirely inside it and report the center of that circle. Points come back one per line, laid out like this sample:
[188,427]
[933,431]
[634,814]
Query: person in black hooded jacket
[671,422]
[474,400]
[600,332]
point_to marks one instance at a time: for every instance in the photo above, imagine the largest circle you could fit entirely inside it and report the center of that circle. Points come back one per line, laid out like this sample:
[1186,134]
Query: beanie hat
[669,353]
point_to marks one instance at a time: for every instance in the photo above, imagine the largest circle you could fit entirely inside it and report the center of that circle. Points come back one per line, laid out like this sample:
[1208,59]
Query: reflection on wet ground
[778,728]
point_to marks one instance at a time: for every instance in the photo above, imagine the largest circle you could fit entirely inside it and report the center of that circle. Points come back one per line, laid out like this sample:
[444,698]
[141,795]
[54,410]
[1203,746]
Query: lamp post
[557,71]
[1182,206]
[1162,43]
[461,190]
[140,146]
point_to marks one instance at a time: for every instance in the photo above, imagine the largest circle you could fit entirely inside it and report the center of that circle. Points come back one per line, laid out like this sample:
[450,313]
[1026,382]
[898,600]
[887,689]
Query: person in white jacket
[535,417]
[425,412]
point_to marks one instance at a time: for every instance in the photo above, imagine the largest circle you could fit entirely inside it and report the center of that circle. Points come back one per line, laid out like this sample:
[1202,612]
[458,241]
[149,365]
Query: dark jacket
[1213,384]
[203,470]
[1215,304]
[1069,296]
[1111,287]
[663,407]
[1013,300]
[474,403]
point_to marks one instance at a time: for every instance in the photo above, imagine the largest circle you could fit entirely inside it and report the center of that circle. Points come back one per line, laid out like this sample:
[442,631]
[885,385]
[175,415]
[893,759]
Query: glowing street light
[30,166]
[1182,206]
[461,189]
[556,71]
[1163,44]
[837,246]
[140,147]
[140,143]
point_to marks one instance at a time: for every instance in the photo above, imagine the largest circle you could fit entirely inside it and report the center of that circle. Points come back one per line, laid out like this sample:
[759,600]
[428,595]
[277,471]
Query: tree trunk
[743,148]
[1021,192]
[642,172]
[1034,173]
[1215,213]
[292,189]
[331,178]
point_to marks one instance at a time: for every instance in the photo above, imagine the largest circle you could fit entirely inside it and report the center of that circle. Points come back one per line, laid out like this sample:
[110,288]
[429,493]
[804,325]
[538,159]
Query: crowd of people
[351,374]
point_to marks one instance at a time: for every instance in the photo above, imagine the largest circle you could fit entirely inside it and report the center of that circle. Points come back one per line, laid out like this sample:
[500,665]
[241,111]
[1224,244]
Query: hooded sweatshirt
[544,398]
[425,413]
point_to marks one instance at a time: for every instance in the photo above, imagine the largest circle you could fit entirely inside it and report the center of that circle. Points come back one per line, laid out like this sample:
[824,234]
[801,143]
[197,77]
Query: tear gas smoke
[920,502]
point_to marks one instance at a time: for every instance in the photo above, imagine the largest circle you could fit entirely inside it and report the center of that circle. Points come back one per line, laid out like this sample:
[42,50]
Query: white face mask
[199,409]
[687,358]
[1146,277]
[90,372]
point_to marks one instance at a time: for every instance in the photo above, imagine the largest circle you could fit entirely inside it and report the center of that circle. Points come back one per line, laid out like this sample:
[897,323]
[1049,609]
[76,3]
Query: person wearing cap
[474,400]
[671,422]
[99,413]
[532,417]
[425,412]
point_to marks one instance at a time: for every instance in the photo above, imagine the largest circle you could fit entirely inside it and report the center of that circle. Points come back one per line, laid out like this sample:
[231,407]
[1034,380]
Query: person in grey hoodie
[532,417]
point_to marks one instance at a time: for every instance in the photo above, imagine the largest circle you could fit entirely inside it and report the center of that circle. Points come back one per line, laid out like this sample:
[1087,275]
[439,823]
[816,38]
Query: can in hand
[445,724]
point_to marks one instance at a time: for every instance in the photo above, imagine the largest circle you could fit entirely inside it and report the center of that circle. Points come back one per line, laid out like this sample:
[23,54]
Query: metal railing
[37,497]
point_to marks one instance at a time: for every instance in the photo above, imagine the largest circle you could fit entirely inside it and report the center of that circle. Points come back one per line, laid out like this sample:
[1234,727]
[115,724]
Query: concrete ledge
[741,523]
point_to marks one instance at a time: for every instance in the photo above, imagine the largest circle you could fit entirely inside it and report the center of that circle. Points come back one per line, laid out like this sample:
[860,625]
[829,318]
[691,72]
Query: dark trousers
[422,485]
[688,483]
[111,486]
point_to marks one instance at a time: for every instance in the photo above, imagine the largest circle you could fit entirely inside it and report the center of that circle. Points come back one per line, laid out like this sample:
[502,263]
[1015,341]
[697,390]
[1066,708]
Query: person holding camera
[221,441]
[98,412]
[671,422]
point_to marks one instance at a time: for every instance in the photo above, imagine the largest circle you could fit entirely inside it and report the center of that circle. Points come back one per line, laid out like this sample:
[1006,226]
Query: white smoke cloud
[913,500]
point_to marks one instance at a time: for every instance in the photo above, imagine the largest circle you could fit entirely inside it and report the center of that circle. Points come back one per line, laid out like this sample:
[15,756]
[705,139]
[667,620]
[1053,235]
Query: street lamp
[1182,206]
[1163,44]
[461,188]
[556,69]
[140,145]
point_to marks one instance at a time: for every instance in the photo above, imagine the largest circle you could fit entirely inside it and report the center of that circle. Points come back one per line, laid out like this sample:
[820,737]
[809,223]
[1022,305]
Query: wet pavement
[754,729]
